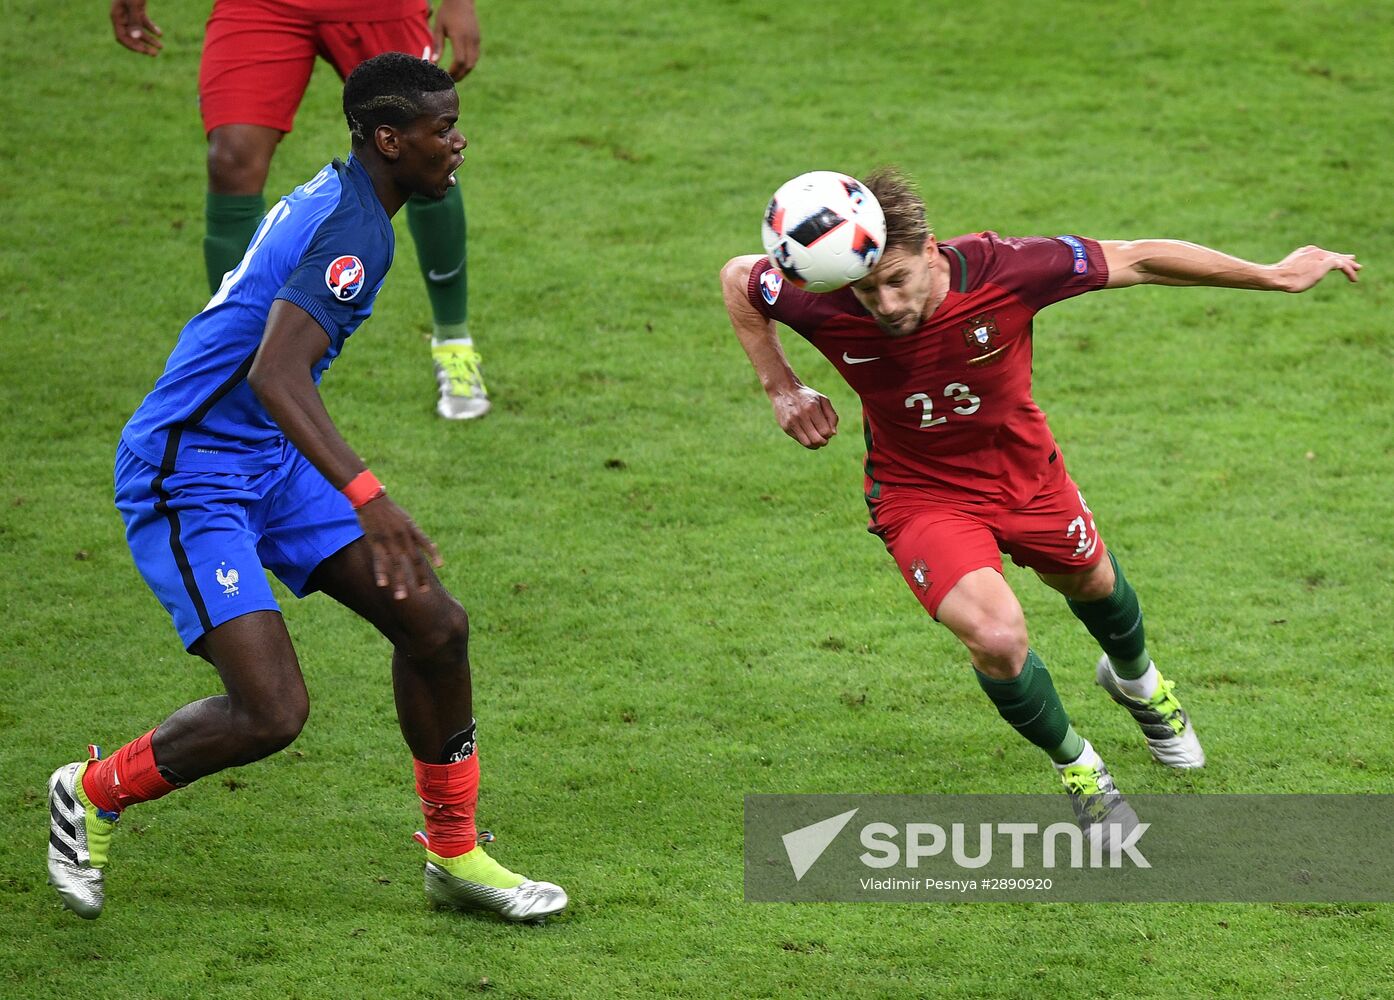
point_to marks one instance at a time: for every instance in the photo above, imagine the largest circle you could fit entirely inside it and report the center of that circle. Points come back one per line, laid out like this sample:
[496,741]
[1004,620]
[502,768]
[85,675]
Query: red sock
[127,776]
[448,793]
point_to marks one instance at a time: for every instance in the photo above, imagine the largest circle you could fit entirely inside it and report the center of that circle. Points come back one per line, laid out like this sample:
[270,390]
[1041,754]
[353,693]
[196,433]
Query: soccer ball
[823,230]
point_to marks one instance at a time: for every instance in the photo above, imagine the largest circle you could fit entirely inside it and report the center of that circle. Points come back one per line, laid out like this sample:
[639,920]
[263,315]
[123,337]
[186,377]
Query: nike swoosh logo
[858,361]
[437,276]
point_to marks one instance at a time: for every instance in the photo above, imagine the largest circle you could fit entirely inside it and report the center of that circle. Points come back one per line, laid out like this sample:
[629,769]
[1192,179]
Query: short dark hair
[387,90]
[906,226]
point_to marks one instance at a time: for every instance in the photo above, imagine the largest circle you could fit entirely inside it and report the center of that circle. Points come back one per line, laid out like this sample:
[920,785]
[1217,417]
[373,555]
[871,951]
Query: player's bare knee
[1091,590]
[268,721]
[998,648]
[236,166]
[440,639]
[1094,584]
[271,728]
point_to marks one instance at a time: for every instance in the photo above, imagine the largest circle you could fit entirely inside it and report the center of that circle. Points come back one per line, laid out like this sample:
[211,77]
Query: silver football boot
[526,900]
[1100,808]
[1164,723]
[459,380]
[79,835]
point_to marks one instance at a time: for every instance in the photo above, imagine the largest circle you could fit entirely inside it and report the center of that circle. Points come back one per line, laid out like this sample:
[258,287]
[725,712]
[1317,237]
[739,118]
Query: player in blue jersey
[256,62]
[231,466]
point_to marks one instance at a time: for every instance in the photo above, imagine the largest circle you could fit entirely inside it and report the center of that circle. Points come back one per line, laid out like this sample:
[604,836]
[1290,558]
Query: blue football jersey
[326,247]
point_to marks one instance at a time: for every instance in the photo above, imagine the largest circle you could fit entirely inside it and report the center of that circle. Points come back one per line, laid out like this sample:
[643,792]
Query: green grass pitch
[673,605]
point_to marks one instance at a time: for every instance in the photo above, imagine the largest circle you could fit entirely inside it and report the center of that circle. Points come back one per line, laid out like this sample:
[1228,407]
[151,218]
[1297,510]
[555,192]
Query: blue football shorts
[203,540]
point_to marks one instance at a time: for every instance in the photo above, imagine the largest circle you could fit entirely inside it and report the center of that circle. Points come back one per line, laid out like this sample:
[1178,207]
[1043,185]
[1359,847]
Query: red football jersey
[949,407]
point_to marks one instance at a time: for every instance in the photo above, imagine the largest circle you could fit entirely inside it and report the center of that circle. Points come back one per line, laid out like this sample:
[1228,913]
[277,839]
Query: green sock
[232,219]
[1028,701]
[1116,624]
[438,228]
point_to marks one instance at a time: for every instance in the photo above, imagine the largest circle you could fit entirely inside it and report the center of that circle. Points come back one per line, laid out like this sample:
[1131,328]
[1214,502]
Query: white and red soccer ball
[823,230]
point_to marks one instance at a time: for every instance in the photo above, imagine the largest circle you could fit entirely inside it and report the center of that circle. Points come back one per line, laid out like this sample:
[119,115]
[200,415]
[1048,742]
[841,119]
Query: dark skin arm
[281,378]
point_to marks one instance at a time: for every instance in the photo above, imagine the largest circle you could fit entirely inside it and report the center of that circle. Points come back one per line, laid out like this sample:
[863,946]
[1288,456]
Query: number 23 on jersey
[956,392]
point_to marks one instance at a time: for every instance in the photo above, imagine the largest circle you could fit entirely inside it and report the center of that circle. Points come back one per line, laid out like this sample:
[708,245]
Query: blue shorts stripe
[176,545]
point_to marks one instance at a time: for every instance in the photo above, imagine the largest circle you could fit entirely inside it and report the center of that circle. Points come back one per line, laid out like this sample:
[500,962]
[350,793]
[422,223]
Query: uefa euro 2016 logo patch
[344,276]
[1077,250]
[770,284]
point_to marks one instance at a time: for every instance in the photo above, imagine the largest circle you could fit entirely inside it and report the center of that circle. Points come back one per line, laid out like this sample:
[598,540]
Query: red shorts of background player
[258,54]
[936,542]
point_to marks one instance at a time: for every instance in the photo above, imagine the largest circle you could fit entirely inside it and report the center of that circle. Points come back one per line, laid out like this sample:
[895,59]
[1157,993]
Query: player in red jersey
[257,59]
[960,463]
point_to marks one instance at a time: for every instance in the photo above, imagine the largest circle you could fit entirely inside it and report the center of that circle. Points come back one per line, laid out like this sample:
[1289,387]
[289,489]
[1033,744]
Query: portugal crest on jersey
[344,276]
[980,334]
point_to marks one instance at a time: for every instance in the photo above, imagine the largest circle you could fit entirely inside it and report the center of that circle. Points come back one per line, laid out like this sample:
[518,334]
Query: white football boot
[459,379]
[1170,735]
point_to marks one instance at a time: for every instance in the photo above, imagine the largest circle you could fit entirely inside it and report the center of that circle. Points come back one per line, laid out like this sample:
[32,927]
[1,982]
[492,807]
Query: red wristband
[363,488]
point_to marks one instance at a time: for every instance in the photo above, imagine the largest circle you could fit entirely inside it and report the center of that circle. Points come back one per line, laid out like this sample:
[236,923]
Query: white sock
[1142,688]
[1089,757]
[451,333]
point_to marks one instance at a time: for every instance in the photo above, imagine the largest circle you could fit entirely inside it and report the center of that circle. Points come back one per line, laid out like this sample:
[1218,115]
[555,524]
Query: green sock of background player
[1028,701]
[231,220]
[438,228]
[1116,624]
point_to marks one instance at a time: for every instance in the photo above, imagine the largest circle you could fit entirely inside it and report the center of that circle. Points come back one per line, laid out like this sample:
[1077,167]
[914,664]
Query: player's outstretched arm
[1175,262]
[133,27]
[457,23]
[805,414]
[281,378]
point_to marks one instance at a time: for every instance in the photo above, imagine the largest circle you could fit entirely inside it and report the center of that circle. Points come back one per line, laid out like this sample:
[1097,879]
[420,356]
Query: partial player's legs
[439,230]
[1055,535]
[1104,600]
[239,157]
[950,560]
[437,227]
[262,712]
[256,62]
[429,633]
[984,614]
[193,539]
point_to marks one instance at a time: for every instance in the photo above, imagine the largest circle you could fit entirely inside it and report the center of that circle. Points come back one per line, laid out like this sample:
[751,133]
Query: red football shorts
[257,58]
[936,542]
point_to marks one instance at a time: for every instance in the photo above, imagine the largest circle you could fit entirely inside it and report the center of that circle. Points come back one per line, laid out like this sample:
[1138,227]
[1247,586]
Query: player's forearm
[1172,262]
[1176,262]
[766,356]
[294,402]
[756,333]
